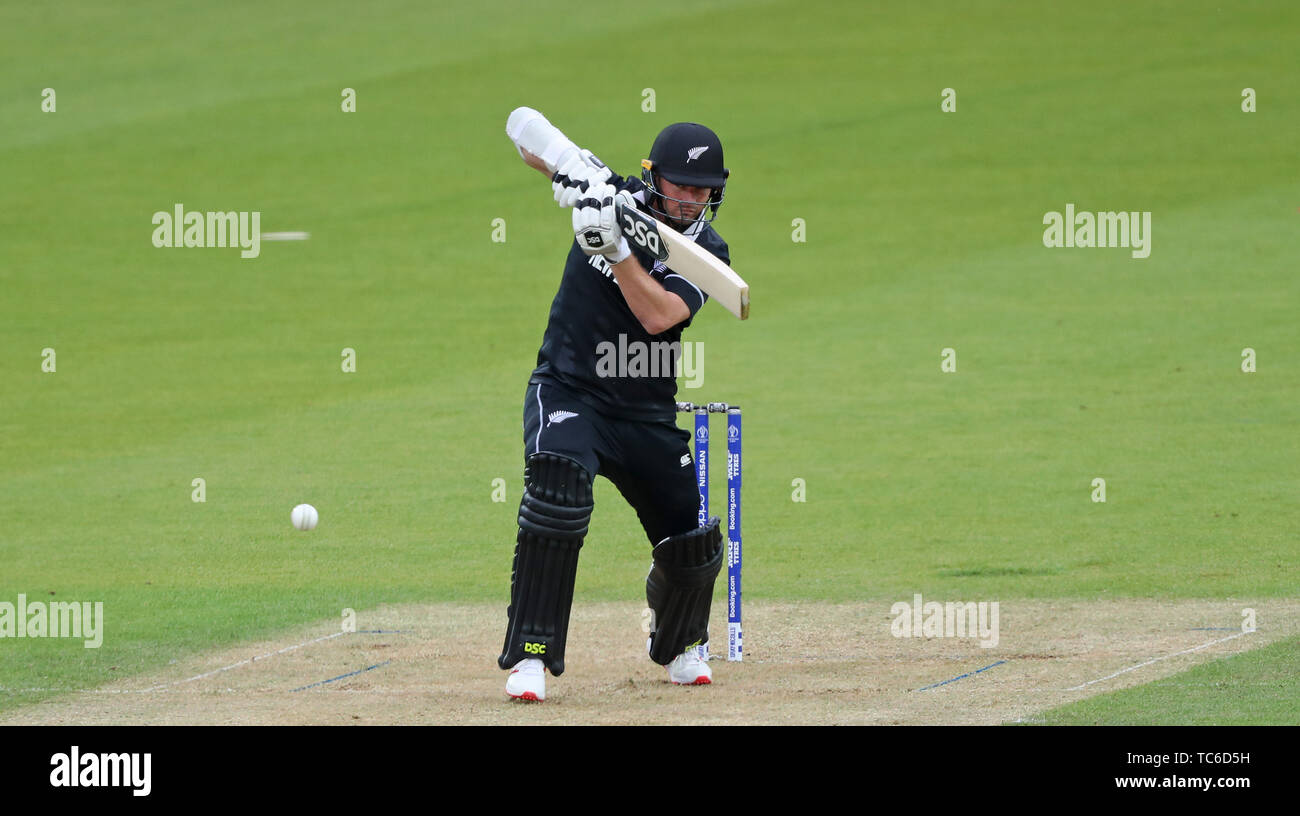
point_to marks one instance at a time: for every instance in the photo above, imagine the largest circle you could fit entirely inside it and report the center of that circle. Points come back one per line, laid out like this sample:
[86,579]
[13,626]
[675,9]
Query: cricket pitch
[805,663]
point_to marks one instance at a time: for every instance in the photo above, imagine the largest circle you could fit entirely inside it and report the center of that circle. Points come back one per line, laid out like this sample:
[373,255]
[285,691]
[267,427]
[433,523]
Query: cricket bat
[542,145]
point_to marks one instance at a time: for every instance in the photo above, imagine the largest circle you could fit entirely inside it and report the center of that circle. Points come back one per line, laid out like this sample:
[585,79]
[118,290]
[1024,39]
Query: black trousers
[649,462]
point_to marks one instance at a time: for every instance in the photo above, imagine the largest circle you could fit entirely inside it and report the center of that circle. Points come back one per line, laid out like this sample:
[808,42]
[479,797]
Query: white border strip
[1156,660]
[541,420]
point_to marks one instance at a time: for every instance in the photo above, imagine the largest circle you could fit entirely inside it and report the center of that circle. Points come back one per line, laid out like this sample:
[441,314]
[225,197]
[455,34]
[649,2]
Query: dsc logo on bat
[647,237]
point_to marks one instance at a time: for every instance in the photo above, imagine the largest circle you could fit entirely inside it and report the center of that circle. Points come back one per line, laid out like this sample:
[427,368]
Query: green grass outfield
[1245,689]
[923,232]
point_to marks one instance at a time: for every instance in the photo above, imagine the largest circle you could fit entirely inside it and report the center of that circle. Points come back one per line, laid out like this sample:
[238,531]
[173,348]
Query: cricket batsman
[581,419]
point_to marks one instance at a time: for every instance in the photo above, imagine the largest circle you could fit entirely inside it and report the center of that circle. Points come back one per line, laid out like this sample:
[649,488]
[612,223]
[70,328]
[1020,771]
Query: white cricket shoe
[527,680]
[689,669]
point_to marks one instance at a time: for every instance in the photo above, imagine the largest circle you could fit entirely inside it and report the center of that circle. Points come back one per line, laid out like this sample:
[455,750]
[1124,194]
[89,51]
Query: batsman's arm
[542,146]
[597,232]
[535,163]
[531,133]
[655,307]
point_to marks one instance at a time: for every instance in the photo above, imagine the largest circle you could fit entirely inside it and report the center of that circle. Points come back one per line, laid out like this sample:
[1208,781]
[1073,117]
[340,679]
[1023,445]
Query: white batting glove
[595,222]
[579,171]
[569,188]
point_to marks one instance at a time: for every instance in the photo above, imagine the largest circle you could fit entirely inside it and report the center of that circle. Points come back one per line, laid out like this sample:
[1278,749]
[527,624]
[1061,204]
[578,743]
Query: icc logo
[702,434]
[733,434]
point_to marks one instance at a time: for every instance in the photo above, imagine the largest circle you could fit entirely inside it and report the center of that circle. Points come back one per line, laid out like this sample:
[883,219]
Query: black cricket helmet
[688,154]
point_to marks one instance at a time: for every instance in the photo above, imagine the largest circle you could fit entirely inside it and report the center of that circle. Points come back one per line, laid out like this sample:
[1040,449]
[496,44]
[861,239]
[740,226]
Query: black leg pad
[679,590]
[553,519]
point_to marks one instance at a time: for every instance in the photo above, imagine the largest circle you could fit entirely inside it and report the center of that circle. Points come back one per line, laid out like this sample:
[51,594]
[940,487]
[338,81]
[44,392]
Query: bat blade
[686,258]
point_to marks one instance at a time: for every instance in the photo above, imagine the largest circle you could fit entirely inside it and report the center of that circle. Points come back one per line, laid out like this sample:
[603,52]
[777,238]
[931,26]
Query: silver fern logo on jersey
[556,417]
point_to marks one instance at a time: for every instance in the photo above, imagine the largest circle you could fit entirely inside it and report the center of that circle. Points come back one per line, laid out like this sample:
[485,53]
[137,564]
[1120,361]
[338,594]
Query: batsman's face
[690,200]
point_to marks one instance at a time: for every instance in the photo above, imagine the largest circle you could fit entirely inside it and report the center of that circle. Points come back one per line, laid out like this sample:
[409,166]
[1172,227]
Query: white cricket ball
[304,517]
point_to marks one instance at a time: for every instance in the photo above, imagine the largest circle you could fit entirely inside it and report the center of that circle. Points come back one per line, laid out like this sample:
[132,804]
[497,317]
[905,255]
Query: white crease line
[1157,659]
[245,662]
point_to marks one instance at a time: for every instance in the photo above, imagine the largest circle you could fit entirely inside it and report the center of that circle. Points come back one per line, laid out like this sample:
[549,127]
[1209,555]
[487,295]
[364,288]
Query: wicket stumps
[735,639]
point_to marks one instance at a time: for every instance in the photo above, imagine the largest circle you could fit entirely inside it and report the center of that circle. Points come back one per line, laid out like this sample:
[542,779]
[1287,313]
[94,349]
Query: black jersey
[594,345]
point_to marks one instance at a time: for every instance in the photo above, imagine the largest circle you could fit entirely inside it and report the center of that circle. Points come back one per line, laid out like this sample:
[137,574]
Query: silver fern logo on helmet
[695,153]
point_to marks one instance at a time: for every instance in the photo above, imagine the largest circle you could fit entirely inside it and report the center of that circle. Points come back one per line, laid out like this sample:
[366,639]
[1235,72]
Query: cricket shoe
[689,669]
[527,680]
